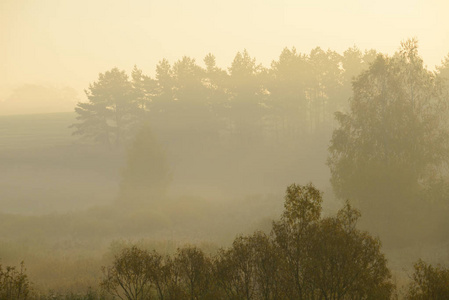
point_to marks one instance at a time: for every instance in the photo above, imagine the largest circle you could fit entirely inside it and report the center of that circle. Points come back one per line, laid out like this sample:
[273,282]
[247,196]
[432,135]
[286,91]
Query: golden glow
[70,42]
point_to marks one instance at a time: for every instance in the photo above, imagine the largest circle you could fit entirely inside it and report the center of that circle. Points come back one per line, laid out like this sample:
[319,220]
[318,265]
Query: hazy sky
[68,42]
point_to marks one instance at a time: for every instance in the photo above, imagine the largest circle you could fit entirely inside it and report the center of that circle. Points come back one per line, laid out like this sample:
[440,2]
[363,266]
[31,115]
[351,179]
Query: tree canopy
[111,111]
[297,95]
[393,142]
[306,256]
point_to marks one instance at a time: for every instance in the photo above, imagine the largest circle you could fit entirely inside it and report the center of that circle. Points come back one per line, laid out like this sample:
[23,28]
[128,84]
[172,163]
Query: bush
[429,282]
[14,283]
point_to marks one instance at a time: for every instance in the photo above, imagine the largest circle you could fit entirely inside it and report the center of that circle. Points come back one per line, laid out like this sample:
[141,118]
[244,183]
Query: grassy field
[57,195]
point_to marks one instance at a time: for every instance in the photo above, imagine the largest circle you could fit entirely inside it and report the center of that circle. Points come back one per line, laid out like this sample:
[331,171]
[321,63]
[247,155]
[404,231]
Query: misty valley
[323,176]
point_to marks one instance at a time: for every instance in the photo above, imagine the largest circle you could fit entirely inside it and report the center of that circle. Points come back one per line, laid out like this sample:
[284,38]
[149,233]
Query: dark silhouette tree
[354,62]
[290,77]
[195,273]
[193,113]
[327,83]
[302,209]
[344,262]
[246,95]
[394,141]
[162,101]
[429,282]
[266,266]
[144,90]
[305,257]
[327,258]
[235,270]
[14,283]
[111,112]
[443,69]
[214,81]
[129,276]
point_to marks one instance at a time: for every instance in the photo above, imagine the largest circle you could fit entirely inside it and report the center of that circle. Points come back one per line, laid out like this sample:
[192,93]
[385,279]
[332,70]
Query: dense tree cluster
[396,128]
[14,283]
[298,94]
[429,282]
[306,256]
[391,150]
[111,110]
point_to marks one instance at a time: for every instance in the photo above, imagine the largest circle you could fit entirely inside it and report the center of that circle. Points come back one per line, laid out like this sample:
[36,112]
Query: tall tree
[130,275]
[354,62]
[290,77]
[428,282]
[326,258]
[111,112]
[327,81]
[394,141]
[190,93]
[164,97]
[144,89]
[246,93]
[344,262]
[302,209]
[216,94]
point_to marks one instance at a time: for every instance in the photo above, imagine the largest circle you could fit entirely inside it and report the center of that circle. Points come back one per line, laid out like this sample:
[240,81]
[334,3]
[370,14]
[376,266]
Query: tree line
[298,94]
[305,256]
[390,151]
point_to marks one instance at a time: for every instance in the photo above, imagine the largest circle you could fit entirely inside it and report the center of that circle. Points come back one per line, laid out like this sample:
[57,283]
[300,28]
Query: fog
[198,130]
[69,43]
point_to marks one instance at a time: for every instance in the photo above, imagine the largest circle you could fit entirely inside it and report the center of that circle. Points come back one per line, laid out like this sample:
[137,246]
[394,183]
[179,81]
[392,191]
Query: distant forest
[297,95]
[386,116]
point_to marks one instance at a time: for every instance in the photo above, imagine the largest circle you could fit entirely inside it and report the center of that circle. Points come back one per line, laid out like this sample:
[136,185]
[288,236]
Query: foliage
[112,109]
[235,270]
[297,95]
[305,257]
[195,273]
[394,141]
[429,282]
[249,269]
[346,262]
[128,278]
[302,209]
[327,257]
[443,69]
[14,283]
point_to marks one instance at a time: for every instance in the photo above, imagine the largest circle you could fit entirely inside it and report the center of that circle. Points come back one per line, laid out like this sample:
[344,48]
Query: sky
[69,42]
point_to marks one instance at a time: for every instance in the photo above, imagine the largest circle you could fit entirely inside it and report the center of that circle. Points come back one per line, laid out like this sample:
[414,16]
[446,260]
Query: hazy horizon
[64,44]
[143,139]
